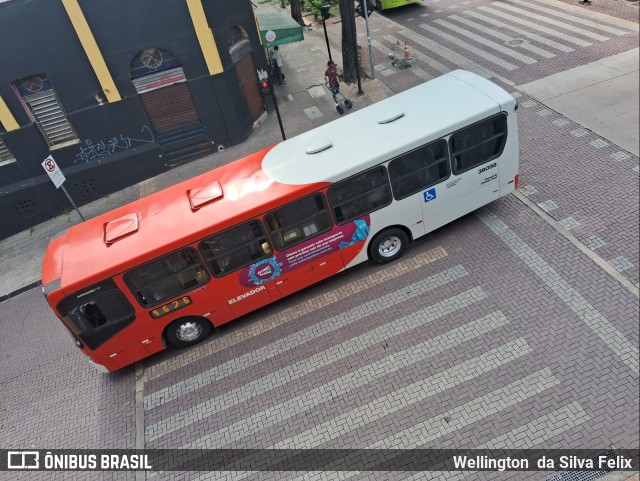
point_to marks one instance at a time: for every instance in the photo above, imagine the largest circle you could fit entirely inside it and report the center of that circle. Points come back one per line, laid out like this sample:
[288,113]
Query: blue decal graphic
[430,194]
[264,271]
[361,233]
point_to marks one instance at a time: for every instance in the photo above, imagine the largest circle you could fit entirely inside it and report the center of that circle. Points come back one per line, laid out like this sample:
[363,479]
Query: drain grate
[584,475]
[313,112]
[316,91]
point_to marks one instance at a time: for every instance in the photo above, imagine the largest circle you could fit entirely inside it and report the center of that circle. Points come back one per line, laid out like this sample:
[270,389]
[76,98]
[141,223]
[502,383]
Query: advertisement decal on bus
[306,252]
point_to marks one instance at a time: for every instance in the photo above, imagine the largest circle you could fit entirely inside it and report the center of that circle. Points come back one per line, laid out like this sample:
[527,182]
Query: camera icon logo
[23,460]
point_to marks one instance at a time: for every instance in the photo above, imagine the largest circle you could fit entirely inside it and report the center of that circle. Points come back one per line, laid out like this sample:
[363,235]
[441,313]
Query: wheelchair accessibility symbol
[430,194]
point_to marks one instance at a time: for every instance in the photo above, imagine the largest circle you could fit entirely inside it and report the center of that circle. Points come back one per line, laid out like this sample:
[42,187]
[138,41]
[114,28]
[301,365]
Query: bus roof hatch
[205,194]
[116,229]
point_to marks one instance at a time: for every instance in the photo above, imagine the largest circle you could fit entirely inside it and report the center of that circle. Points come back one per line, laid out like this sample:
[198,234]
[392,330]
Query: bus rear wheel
[188,331]
[388,246]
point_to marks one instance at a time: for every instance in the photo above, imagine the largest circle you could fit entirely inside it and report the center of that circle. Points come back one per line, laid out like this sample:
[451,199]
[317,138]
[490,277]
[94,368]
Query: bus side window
[167,277]
[360,195]
[299,221]
[478,143]
[235,248]
[419,169]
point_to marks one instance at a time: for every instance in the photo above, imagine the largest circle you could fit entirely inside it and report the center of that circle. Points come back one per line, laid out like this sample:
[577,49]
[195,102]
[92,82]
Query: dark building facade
[117,92]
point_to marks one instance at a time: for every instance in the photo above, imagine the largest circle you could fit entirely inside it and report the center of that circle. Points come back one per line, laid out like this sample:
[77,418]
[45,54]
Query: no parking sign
[53,171]
[57,177]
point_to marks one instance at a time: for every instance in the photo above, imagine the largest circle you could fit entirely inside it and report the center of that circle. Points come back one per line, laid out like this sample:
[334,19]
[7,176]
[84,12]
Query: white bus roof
[427,112]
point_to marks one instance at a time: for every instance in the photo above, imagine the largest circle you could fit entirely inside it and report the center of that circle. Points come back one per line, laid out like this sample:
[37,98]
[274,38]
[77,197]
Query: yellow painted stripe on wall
[6,117]
[255,17]
[90,47]
[205,37]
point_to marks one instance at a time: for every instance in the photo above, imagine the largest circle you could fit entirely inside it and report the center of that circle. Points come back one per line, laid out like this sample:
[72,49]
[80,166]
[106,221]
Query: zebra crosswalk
[340,386]
[493,39]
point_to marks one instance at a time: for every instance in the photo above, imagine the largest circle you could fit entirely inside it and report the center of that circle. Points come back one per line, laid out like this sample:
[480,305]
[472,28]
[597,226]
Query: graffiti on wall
[91,150]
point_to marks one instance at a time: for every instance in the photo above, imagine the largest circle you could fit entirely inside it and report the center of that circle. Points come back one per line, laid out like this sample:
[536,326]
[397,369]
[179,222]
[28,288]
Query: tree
[349,41]
[296,12]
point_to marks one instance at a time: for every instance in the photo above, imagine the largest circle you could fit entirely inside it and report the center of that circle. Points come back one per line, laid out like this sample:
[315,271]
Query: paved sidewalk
[601,96]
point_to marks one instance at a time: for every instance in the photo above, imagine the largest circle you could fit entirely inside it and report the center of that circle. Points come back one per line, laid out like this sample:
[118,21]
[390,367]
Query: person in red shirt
[331,77]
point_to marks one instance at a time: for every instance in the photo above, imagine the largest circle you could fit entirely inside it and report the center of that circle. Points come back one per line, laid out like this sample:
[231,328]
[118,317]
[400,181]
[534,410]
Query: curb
[28,287]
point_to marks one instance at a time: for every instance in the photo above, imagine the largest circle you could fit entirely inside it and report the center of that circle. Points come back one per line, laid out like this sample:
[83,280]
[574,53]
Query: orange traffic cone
[407,54]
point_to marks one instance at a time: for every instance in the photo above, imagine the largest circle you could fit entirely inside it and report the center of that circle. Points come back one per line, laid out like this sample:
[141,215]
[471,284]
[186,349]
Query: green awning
[285,28]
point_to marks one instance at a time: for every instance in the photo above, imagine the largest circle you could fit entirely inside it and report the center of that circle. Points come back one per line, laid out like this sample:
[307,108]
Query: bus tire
[340,109]
[187,331]
[388,245]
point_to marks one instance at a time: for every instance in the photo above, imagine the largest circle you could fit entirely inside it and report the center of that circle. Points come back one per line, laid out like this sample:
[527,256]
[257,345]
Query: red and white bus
[167,268]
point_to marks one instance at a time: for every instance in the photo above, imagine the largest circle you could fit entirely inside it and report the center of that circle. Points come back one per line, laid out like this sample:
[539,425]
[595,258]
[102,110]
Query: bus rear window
[478,143]
[167,277]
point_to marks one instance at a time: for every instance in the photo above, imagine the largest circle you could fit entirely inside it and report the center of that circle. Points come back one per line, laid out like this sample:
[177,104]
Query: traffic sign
[53,171]
[57,177]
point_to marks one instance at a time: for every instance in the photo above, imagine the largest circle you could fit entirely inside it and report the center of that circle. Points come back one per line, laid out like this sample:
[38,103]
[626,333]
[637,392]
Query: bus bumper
[99,367]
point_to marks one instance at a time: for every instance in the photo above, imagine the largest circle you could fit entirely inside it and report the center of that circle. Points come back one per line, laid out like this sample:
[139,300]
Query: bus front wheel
[188,331]
[388,246]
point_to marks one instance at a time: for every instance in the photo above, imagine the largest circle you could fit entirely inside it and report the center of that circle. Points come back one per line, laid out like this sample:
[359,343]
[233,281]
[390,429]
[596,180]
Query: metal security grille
[249,83]
[6,157]
[51,119]
[170,107]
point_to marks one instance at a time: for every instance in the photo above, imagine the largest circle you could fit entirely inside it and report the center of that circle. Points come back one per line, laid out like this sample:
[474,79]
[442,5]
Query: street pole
[326,37]
[352,14]
[72,202]
[275,103]
[365,7]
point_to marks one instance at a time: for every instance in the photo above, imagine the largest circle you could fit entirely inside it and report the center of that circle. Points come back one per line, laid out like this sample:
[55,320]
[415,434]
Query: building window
[298,221]
[167,277]
[478,143]
[359,195]
[45,110]
[6,157]
[238,42]
[419,169]
[235,248]
[151,60]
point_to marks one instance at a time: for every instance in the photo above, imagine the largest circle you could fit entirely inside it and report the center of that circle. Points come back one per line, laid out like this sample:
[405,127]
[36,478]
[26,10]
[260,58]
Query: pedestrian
[277,58]
[331,77]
